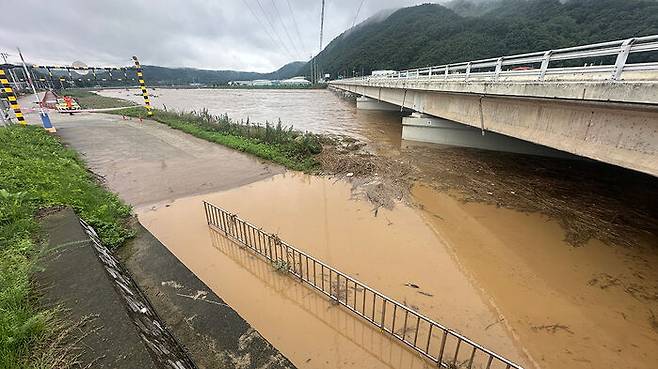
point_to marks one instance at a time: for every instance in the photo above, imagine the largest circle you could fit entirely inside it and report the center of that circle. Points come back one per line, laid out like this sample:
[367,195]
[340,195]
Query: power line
[267,31]
[294,20]
[285,29]
[274,29]
[358,10]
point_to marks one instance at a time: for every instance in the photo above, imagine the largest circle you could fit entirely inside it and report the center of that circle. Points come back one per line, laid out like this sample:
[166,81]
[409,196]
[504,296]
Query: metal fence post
[11,97]
[142,86]
[544,64]
[468,72]
[624,51]
[499,68]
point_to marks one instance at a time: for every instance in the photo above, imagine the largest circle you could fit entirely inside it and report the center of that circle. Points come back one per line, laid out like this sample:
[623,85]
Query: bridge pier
[425,128]
[366,103]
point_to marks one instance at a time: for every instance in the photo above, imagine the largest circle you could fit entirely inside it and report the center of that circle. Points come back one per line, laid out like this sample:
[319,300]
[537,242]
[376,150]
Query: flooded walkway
[395,252]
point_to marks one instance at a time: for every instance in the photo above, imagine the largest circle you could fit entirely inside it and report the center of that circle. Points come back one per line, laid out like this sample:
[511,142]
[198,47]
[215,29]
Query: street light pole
[45,119]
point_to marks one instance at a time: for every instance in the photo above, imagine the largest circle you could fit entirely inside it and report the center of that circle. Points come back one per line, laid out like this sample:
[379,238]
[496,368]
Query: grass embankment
[38,172]
[89,100]
[293,149]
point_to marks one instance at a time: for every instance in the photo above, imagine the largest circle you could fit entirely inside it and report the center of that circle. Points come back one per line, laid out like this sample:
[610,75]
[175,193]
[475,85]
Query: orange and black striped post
[142,86]
[11,96]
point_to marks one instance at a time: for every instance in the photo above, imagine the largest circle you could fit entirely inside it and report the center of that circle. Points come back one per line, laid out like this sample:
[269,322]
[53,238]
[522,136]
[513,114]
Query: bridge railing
[443,346]
[605,60]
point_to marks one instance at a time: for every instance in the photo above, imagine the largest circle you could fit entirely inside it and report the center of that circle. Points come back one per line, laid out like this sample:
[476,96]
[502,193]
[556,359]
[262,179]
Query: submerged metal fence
[437,343]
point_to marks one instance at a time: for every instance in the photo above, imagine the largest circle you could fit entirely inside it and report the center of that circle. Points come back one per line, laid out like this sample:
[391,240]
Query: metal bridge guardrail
[493,69]
[443,346]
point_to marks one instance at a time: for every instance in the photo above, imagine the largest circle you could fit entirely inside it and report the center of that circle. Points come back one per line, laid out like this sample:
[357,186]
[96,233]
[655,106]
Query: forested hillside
[432,34]
[181,76]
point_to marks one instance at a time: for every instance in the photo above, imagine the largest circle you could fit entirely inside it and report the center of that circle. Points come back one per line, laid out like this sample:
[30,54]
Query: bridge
[598,101]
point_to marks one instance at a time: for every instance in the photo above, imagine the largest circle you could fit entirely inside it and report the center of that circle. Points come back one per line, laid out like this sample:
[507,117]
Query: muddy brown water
[506,278]
[390,252]
[319,111]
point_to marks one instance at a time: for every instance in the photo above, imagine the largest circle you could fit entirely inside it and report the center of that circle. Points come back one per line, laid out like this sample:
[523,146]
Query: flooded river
[319,111]
[551,263]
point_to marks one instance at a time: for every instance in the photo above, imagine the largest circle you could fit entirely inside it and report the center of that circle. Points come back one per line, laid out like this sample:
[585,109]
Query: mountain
[462,30]
[287,71]
[182,76]
[163,76]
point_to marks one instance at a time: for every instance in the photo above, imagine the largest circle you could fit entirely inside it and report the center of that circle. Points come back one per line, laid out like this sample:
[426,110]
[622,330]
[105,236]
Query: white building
[295,81]
[261,82]
[241,83]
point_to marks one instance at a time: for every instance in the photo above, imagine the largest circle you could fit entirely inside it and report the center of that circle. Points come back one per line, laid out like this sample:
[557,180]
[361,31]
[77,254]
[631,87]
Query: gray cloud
[195,33]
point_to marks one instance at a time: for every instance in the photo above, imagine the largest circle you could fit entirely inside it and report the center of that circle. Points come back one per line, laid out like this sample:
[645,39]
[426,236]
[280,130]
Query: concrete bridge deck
[603,112]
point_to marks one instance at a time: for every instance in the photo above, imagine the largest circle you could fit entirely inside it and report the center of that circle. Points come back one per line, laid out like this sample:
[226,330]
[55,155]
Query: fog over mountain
[462,30]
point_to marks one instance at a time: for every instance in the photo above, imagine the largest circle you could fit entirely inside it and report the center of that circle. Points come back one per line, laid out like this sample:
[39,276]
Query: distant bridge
[599,101]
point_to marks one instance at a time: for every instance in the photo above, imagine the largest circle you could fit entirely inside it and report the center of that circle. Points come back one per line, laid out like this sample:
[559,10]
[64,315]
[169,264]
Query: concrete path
[148,162]
[72,277]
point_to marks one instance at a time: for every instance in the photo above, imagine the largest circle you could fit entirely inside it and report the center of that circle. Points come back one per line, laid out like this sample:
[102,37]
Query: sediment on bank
[38,173]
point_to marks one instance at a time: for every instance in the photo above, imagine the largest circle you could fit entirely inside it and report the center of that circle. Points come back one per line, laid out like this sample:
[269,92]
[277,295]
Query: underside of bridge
[612,123]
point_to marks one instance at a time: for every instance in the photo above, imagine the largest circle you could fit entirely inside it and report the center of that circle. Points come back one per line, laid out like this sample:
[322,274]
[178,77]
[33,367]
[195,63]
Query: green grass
[283,145]
[89,100]
[37,172]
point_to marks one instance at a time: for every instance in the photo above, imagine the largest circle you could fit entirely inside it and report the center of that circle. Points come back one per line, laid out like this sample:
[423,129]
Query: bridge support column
[366,103]
[425,128]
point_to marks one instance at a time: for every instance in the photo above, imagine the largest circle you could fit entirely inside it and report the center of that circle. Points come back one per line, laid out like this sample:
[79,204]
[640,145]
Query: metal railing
[443,346]
[537,65]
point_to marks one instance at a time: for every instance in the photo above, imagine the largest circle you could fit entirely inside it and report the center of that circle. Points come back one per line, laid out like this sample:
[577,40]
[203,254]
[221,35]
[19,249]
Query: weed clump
[281,266]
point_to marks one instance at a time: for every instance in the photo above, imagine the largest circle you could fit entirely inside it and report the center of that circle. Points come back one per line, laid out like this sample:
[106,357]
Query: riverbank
[39,174]
[590,200]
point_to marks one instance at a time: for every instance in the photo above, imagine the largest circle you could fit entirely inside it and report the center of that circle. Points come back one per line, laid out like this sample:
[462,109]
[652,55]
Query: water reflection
[388,352]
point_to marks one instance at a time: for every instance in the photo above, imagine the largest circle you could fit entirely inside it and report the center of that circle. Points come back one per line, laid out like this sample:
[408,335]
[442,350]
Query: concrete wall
[366,103]
[602,91]
[623,134]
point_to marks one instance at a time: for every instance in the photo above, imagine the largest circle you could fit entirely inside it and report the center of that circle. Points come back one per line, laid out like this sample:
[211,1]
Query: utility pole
[321,34]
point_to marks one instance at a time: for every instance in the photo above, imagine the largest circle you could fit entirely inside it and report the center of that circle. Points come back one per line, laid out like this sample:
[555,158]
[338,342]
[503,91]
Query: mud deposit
[395,252]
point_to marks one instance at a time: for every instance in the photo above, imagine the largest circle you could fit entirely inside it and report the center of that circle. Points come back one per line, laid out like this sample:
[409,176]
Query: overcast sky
[253,35]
